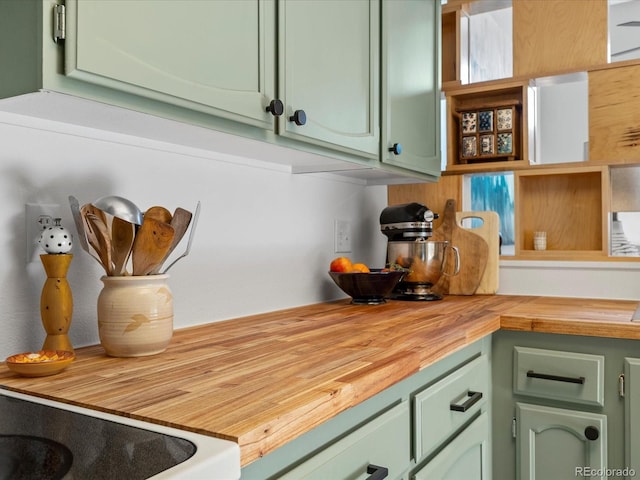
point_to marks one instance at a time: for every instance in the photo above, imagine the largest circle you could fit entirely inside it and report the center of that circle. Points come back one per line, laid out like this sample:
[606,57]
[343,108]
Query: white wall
[264,240]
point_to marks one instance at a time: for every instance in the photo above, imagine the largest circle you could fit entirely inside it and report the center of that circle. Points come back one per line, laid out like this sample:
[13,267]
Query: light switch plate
[342,236]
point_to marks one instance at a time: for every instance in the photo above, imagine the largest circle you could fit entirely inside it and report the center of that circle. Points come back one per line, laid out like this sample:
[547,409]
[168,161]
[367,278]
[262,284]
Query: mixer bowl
[367,288]
[425,260]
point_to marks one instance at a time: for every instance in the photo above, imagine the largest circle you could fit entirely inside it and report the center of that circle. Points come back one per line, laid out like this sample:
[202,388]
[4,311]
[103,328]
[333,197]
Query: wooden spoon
[158,213]
[122,236]
[180,223]
[98,237]
[152,241]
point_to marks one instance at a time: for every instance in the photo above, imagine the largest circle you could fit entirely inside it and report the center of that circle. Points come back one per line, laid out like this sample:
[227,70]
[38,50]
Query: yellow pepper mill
[56,301]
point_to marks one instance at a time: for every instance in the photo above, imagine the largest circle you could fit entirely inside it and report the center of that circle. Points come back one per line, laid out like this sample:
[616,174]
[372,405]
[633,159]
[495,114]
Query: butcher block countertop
[264,380]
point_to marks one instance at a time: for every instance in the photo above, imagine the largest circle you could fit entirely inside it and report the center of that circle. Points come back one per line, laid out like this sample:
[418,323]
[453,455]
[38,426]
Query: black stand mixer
[408,228]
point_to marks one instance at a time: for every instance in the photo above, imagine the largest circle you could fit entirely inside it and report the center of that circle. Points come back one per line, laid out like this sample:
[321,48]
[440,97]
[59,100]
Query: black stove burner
[26,457]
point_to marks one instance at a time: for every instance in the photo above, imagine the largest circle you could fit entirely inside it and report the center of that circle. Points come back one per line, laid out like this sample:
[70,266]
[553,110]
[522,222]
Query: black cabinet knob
[298,117]
[275,107]
[591,433]
[396,149]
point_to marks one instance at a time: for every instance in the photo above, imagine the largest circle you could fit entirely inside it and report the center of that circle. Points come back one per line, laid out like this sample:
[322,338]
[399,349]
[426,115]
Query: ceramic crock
[135,315]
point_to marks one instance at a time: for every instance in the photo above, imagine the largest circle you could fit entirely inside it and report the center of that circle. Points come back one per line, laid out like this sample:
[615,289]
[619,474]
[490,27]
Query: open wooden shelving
[571,201]
[478,98]
[570,204]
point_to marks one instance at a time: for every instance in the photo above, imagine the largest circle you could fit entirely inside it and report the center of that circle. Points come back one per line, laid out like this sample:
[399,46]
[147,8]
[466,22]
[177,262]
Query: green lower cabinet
[380,445]
[466,457]
[559,444]
[632,416]
[450,404]
[565,406]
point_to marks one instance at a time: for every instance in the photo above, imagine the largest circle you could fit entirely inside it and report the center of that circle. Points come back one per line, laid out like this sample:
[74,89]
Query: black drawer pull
[555,378]
[474,397]
[377,473]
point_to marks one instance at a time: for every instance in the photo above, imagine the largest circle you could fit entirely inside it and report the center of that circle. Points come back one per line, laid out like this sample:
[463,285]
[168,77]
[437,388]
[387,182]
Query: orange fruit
[340,264]
[360,267]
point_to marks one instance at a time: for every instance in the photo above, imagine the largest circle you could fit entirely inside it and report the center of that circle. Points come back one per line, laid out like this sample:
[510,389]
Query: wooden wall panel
[556,35]
[433,195]
[614,115]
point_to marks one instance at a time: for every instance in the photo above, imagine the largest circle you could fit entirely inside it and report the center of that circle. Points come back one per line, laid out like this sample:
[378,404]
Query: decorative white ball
[56,239]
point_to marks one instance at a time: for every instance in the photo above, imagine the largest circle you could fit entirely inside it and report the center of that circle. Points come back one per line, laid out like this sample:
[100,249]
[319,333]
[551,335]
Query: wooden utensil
[98,237]
[159,213]
[180,223]
[490,232]
[473,250]
[122,236]
[93,247]
[152,241]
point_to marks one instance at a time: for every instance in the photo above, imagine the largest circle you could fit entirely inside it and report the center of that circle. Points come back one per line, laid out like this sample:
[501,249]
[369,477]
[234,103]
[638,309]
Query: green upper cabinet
[329,73]
[216,57]
[342,79]
[411,85]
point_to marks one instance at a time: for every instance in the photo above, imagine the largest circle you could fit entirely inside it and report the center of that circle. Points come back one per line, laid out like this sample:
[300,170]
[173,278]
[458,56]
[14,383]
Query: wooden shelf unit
[572,201]
[482,97]
[570,204]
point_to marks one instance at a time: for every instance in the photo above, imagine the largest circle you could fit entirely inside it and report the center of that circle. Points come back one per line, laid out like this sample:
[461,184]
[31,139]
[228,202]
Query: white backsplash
[264,239]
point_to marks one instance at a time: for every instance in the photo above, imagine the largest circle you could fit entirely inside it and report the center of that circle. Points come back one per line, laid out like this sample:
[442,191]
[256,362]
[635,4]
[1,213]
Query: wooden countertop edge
[583,327]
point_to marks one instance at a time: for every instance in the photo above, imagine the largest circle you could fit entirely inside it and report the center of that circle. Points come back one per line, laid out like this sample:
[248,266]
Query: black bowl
[368,288]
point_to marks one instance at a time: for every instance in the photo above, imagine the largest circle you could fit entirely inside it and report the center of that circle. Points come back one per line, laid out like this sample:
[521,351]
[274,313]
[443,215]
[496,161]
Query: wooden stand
[56,302]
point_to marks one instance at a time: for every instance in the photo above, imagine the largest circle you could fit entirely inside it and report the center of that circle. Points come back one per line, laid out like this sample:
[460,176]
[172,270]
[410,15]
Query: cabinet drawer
[383,442]
[557,375]
[445,406]
[466,457]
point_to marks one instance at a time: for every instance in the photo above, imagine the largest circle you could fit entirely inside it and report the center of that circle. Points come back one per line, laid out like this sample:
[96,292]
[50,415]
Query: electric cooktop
[45,440]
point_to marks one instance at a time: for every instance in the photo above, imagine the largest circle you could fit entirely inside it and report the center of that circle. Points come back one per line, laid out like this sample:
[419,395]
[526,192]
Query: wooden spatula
[122,235]
[98,237]
[152,241]
[180,223]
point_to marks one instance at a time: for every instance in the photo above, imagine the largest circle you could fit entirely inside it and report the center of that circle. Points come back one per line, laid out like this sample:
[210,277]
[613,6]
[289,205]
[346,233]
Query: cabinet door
[411,84]
[465,457]
[329,68]
[216,56]
[560,444]
[381,442]
[632,413]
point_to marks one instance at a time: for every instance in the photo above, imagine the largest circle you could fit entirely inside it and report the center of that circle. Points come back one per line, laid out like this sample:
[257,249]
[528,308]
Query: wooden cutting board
[489,230]
[474,253]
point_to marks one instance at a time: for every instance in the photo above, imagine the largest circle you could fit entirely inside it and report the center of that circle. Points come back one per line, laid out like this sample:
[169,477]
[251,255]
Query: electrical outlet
[38,216]
[342,229]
